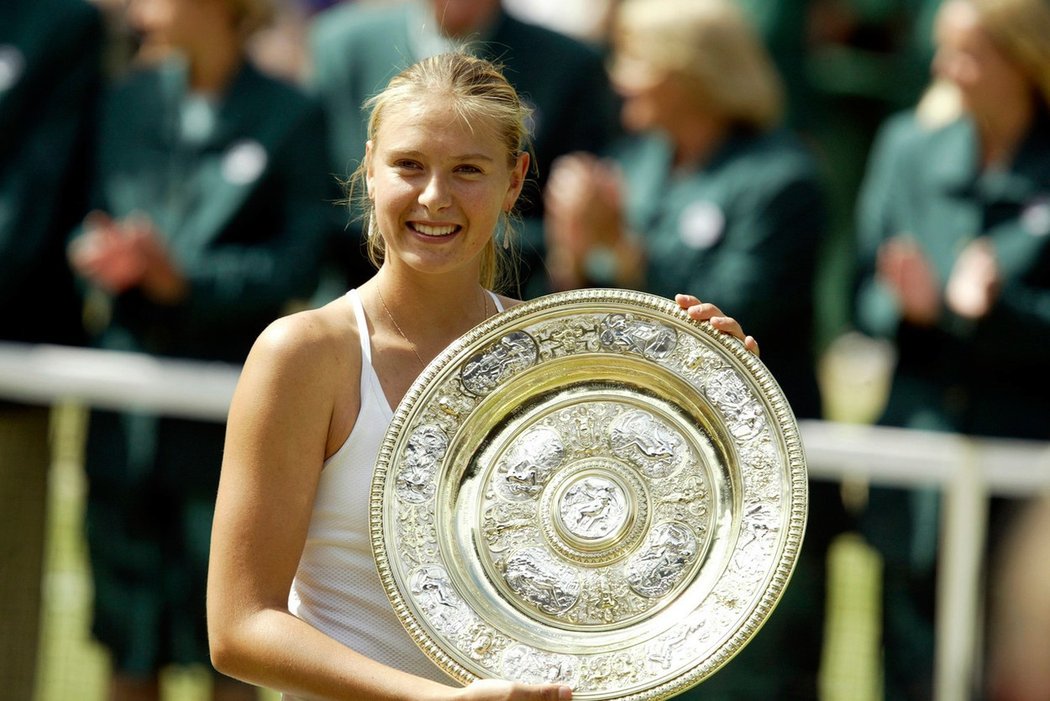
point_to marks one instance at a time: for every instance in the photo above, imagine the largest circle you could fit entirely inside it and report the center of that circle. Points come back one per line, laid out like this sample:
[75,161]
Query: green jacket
[50,54]
[356,49]
[986,377]
[742,232]
[244,208]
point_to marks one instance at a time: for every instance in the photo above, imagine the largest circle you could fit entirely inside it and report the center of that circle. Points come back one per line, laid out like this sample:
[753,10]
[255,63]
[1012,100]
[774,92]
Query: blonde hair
[1018,28]
[1021,30]
[712,44]
[478,92]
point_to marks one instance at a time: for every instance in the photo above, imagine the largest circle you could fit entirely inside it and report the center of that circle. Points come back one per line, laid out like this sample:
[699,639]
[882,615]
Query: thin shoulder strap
[496,300]
[362,325]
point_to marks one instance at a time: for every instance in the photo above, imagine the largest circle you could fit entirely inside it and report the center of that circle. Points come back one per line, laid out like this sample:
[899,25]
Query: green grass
[72,665]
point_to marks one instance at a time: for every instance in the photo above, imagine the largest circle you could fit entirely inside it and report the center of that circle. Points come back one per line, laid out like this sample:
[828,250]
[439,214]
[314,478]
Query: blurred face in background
[460,18]
[967,56]
[176,25]
[653,98]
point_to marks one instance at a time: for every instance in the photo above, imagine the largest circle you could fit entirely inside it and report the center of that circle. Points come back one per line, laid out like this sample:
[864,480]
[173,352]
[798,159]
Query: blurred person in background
[50,72]
[711,193]
[211,206]
[954,242]
[358,47]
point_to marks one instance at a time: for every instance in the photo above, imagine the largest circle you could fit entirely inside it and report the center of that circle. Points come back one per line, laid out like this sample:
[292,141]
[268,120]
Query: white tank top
[336,588]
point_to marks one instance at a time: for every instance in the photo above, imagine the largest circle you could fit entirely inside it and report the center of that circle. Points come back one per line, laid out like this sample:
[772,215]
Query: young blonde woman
[294,601]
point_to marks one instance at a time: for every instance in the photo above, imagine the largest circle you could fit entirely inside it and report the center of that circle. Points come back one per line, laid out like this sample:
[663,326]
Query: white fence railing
[967,470]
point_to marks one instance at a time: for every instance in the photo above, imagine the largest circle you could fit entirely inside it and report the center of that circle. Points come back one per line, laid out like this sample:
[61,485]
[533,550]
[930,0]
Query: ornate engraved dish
[589,488]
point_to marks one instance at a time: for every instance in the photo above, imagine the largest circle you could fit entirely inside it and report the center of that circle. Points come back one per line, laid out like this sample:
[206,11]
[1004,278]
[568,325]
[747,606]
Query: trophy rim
[781,421]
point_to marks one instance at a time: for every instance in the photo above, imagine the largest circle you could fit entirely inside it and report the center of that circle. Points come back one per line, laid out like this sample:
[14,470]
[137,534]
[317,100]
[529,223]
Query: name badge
[701,225]
[244,162]
[12,65]
[1035,218]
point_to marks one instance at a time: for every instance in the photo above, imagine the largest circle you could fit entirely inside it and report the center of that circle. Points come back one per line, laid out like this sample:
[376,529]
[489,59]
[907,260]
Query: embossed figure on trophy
[528,465]
[426,446]
[652,446]
[432,591]
[646,338]
[512,353]
[501,520]
[538,582]
[689,497]
[756,525]
[659,566]
[535,667]
[415,482]
[593,508]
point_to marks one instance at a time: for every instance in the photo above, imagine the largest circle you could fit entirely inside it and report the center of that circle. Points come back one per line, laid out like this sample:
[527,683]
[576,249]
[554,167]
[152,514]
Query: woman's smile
[434,230]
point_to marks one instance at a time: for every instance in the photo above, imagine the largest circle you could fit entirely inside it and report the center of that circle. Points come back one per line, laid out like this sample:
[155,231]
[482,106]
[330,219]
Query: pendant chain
[484,314]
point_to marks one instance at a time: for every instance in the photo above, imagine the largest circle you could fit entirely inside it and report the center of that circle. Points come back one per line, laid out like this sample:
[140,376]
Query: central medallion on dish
[595,515]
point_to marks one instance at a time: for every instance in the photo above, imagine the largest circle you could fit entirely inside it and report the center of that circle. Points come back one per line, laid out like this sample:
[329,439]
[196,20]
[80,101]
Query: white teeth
[434,230]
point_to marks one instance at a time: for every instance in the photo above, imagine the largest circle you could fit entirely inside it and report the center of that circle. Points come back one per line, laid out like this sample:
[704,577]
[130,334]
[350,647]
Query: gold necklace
[484,315]
[398,327]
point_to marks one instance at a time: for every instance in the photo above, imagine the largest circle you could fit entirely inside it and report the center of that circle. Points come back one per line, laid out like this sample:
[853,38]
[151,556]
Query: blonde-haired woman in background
[954,268]
[711,193]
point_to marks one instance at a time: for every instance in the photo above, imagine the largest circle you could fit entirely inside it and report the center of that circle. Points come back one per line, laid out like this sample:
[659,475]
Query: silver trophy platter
[589,488]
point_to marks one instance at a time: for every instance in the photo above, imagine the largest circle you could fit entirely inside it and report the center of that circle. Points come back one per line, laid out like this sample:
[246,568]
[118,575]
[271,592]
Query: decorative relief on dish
[663,560]
[593,508]
[533,666]
[416,481]
[542,581]
[590,510]
[525,469]
[511,354]
[626,334]
[650,445]
[437,597]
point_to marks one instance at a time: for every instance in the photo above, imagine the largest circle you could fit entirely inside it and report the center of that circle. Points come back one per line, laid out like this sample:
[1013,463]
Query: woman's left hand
[705,311]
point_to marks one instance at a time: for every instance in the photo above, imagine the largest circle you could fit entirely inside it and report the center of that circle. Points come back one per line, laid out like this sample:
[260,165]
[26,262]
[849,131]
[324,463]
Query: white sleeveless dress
[336,588]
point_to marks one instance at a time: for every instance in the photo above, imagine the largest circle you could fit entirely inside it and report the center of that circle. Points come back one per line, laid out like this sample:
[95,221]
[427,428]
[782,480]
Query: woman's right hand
[499,690]
[583,209]
[904,268]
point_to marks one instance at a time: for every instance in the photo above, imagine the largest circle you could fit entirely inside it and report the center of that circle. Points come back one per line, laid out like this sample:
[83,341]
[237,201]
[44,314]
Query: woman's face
[652,98]
[166,25]
[966,56]
[438,186]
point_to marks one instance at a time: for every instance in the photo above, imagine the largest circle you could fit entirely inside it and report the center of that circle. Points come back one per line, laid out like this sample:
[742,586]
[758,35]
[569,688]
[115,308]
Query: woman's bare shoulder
[312,343]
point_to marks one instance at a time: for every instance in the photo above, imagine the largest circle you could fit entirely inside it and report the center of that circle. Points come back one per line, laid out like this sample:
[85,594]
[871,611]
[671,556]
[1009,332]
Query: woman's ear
[518,172]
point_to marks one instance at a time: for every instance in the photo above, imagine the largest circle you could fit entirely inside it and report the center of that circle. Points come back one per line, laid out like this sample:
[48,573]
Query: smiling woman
[294,599]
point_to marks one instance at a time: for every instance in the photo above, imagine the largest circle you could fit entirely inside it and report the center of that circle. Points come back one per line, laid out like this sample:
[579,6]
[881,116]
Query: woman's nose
[436,193]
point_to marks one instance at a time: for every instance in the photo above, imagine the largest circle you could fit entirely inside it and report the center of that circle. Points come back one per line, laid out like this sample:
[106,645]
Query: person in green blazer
[954,236]
[357,48]
[212,199]
[50,58]
[712,193]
